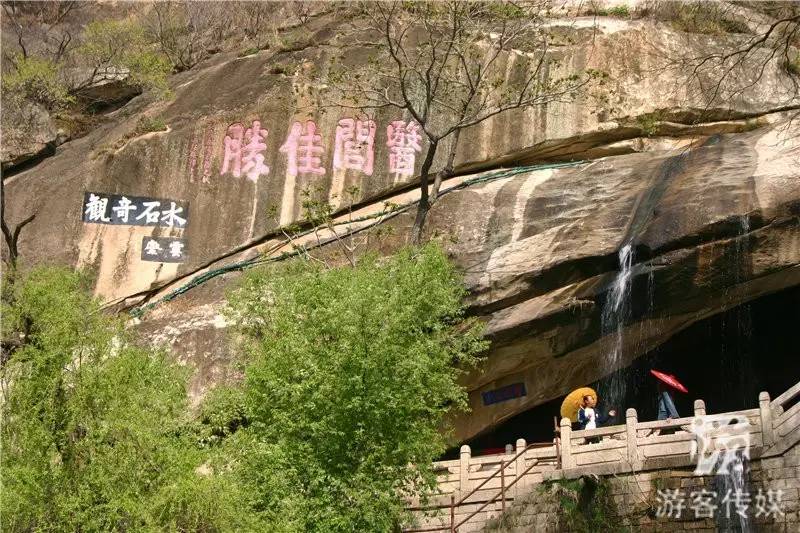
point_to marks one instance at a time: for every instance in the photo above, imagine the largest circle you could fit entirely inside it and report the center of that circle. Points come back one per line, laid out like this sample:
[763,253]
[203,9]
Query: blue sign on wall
[509,392]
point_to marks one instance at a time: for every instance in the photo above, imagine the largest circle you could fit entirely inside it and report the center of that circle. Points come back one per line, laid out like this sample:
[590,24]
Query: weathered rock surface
[711,226]
[28,132]
[110,87]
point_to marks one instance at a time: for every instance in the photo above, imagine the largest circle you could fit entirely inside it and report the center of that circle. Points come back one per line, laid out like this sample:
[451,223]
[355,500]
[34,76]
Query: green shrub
[222,413]
[649,123]
[753,124]
[351,371]
[94,427]
[36,80]
[148,70]
[586,505]
[249,51]
[619,11]
[121,44]
[149,124]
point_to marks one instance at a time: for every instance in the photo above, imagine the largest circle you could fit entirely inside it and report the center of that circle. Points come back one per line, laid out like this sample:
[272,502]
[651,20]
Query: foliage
[120,44]
[649,123]
[350,374]
[753,124]
[249,51]
[36,79]
[222,413]
[92,433]
[148,70]
[148,124]
[713,18]
[586,504]
[620,11]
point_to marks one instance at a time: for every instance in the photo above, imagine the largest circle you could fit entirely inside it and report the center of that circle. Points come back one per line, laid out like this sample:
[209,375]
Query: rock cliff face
[28,132]
[703,203]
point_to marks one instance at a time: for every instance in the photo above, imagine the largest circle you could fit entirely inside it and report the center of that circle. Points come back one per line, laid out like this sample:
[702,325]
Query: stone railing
[784,414]
[473,489]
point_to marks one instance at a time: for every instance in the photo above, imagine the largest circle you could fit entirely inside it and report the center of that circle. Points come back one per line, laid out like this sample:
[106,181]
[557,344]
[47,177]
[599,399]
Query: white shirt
[589,413]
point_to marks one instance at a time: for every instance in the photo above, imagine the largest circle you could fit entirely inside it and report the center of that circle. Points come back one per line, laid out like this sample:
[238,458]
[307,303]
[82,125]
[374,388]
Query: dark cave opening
[726,360]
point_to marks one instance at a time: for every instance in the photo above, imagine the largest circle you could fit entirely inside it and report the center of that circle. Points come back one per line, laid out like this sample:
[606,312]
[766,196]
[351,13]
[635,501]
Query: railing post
[631,419]
[509,449]
[699,408]
[519,467]
[452,513]
[463,468]
[767,431]
[503,484]
[566,443]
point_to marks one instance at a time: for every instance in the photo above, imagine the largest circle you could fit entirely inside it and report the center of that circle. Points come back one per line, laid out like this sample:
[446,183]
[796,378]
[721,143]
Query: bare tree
[761,45]
[444,64]
[11,232]
[258,21]
[187,32]
[41,25]
[11,340]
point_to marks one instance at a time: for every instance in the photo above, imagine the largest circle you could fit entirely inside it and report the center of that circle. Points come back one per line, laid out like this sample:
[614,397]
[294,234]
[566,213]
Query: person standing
[666,405]
[589,417]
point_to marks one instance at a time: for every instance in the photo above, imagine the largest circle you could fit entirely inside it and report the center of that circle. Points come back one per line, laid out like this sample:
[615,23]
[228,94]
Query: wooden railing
[467,486]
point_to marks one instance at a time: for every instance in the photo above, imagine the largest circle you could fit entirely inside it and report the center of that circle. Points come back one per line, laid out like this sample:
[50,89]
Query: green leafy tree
[93,427]
[113,47]
[37,80]
[350,374]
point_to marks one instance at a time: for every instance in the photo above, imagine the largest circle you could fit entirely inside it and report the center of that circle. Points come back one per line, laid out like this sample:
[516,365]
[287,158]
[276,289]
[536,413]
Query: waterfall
[735,366]
[728,483]
[744,319]
[615,314]
[617,308]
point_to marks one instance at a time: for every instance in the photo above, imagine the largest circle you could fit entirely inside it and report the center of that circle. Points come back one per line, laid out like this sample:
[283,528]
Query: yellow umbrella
[573,401]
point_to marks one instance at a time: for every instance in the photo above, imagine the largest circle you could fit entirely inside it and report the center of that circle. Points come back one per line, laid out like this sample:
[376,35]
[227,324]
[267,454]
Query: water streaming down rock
[744,318]
[736,371]
[731,488]
[616,313]
[617,309]
[735,364]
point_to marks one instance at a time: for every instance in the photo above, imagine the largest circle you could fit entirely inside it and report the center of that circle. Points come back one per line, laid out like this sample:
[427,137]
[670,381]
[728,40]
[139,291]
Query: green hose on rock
[383,216]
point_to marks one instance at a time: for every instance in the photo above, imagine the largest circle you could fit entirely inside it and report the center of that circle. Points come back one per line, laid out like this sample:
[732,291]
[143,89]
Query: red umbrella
[670,380]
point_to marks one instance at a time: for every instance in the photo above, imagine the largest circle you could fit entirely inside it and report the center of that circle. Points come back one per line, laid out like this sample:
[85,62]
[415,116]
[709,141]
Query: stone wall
[635,504]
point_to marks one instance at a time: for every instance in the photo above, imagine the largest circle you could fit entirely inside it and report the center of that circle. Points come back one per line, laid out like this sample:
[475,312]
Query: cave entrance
[726,360]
